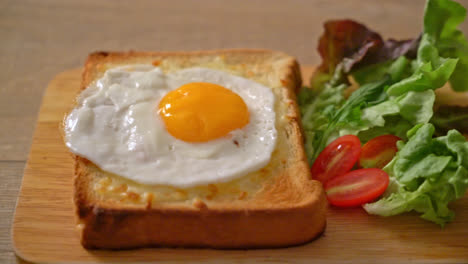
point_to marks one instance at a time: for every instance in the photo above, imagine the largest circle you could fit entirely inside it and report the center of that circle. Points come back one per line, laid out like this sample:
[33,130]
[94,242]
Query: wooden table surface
[39,39]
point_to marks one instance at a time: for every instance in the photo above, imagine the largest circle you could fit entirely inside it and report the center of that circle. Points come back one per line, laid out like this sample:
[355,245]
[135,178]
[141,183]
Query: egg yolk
[200,112]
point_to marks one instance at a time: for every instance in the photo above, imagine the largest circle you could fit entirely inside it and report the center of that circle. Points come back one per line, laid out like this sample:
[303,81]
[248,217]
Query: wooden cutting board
[44,224]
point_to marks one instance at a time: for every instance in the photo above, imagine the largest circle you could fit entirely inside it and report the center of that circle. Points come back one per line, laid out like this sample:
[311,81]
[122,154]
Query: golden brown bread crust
[289,209]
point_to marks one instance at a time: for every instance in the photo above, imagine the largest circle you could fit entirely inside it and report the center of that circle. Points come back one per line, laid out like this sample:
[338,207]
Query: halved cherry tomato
[356,187]
[337,158]
[378,152]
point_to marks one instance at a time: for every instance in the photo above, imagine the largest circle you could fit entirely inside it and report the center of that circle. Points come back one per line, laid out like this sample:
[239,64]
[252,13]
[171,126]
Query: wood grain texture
[43,229]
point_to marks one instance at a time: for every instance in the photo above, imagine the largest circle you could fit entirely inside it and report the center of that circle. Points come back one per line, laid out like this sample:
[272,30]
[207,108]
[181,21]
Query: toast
[279,205]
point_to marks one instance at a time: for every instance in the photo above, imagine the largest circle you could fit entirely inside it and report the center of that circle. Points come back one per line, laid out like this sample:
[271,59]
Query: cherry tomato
[356,187]
[337,158]
[378,152]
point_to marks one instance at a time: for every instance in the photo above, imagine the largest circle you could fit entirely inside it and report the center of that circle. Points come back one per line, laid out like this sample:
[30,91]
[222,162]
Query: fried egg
[186,128]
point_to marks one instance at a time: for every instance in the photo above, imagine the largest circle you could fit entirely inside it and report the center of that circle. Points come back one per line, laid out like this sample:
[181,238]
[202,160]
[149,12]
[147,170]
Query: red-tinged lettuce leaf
[348,45]
[345,39]
[393,49]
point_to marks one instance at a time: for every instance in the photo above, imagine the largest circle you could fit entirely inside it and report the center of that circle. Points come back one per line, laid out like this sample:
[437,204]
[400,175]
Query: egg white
[116,126]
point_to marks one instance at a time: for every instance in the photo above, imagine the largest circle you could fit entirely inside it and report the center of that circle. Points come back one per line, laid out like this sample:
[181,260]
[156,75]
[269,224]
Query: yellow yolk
[200,112]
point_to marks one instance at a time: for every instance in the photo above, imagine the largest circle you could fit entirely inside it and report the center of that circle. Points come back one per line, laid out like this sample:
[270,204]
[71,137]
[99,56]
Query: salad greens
[396,82]
[427,173]
[441,20]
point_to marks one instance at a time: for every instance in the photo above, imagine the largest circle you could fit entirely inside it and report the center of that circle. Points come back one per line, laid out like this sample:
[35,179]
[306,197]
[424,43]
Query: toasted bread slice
[279,205]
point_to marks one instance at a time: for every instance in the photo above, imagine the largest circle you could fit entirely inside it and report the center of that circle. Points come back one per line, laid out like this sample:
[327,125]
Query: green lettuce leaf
[431,70]
[393,116]
[441,19]
[317,108]
[348,114]
[427,174]
[398,69]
